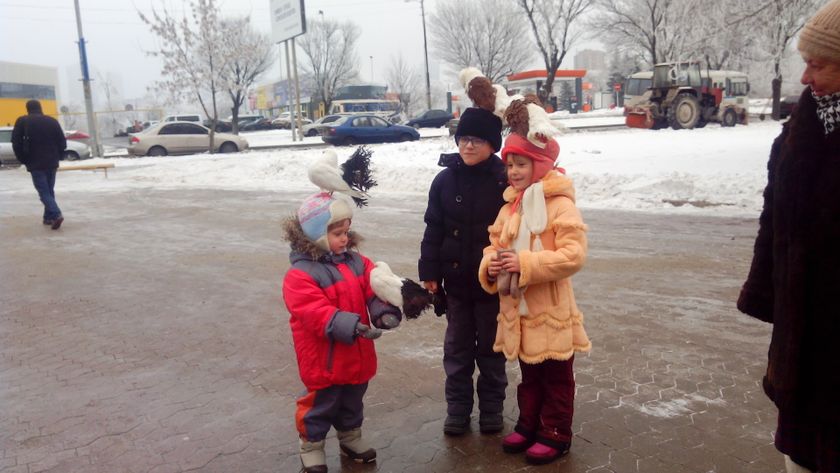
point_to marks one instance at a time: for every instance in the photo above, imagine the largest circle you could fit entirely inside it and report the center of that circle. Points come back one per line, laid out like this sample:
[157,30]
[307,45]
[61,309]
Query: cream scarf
[534,218]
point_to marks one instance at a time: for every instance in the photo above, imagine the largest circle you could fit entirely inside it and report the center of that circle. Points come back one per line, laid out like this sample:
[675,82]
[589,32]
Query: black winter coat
[463,202]
[794,281]
[46,141]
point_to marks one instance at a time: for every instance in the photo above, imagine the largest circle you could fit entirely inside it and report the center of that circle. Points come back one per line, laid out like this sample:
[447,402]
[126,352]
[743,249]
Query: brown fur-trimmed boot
[312,456]
[354,446]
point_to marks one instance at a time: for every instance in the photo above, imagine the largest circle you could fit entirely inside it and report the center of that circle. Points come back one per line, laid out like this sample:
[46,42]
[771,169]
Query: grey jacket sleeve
[342,327]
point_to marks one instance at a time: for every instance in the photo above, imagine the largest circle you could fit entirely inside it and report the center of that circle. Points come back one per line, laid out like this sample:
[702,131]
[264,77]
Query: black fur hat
[482,124]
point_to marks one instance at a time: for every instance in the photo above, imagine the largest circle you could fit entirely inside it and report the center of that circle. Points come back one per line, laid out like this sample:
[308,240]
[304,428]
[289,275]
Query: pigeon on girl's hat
[352,178]
[404,293]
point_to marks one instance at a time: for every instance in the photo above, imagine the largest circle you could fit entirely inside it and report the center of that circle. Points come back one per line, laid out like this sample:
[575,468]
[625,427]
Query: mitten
[383,315]
[371,333]
[505,279]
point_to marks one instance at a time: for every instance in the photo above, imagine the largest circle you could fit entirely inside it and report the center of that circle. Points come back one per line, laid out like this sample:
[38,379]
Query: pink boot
[540,454]
[515,442]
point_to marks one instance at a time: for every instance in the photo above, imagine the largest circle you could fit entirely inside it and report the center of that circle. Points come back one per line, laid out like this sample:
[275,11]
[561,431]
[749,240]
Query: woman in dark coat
[794,281]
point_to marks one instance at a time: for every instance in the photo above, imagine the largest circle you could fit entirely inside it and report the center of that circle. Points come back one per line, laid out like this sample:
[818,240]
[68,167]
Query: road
[148,335]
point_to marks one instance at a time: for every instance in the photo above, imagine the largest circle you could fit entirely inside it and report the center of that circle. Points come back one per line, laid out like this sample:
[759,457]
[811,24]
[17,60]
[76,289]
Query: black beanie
[482,124]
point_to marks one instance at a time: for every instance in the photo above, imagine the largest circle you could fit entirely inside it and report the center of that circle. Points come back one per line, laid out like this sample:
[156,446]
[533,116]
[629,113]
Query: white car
[75,150]
[182,138]
[282,120]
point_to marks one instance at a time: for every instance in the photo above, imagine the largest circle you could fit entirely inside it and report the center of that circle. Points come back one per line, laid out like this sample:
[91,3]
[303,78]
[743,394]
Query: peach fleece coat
[553,326]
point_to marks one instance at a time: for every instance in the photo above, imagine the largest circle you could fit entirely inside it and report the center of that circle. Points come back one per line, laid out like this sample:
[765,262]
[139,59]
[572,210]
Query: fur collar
[554,183]
[293,233]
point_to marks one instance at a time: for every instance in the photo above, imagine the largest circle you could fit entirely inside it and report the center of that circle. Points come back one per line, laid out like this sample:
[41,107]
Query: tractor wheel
[684,113]
[730,118]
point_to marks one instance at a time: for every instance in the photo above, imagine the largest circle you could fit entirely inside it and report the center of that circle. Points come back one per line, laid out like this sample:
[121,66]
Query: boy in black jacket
[464,200]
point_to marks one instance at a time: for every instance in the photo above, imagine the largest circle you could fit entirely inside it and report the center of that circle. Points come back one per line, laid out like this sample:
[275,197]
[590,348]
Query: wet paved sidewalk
[148,335]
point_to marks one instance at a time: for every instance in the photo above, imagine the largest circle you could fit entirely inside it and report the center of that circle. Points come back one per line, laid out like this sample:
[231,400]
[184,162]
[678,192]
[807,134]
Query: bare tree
[406,83]
[552,23]
[250,56]
[193,55]
[782,21]
[106,84]
[656,30]
[330,48]
[487,34]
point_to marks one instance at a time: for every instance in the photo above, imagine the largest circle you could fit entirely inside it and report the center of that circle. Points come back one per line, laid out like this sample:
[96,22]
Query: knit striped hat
[821,35]
[318,212]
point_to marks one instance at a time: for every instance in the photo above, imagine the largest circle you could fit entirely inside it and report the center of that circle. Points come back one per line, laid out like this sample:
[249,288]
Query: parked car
[430,119]
[315,129]
[256,125]
[283,120]
[75,149]
[182,138]
[787,104]
[223,126]
[355,129]
[195,118]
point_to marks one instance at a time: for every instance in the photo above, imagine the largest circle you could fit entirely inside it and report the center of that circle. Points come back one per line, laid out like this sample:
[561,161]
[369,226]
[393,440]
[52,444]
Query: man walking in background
[38,142]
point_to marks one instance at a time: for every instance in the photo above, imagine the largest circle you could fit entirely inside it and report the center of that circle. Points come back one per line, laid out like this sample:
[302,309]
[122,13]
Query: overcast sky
[44,32]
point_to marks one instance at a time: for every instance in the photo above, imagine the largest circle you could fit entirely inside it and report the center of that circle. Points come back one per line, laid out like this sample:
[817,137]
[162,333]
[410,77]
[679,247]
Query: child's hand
[510,262]
[371,333]
[495,267]
[431,286]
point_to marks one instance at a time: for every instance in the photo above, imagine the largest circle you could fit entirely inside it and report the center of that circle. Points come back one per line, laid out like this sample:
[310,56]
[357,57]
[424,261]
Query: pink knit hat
[543,158]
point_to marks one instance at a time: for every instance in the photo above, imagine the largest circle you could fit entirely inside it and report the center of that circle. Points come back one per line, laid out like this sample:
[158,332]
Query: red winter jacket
[326,297]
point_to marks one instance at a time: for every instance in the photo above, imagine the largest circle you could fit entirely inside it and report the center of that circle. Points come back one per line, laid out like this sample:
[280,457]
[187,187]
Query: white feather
[503,101]
[539,124]
[467,75]
[325,174]
[385,284]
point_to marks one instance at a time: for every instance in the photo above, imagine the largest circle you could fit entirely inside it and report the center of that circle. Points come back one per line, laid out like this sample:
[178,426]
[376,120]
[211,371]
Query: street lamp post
[371,69]
[425,55]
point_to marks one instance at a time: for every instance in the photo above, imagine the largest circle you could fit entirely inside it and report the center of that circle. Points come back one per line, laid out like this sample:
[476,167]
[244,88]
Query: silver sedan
[75,150]
[182,138]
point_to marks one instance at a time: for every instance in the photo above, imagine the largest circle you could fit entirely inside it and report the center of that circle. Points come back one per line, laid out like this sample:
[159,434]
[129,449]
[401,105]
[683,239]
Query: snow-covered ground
[709,171]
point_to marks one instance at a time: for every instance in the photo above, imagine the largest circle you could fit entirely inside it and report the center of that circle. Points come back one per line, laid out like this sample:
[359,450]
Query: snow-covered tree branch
[405,82]
[331,61]
[556,27]
[250,56]
[487,34]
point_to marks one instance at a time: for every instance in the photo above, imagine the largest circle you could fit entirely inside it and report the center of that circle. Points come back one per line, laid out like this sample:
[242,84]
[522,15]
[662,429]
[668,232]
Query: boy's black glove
[371,333]
[439,301]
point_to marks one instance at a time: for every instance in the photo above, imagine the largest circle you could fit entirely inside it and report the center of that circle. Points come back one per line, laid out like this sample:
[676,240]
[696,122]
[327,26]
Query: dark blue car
[430,119]
[355,129]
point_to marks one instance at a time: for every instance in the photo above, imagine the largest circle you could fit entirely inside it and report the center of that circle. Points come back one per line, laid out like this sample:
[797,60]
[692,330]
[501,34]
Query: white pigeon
[385,284]
[539,123]
[325,174]
[404,293]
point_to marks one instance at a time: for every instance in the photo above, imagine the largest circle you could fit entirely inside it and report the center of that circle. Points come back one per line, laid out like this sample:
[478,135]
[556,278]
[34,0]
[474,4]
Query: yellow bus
[22,82]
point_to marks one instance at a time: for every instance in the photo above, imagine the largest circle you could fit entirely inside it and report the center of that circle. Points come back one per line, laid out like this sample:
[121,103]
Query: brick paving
[148,335]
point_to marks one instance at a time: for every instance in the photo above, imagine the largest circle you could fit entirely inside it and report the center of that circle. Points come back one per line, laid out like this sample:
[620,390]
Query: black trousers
[470,334]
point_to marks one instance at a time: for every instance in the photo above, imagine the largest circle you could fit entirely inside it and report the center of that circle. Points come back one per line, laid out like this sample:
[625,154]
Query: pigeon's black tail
[416,299]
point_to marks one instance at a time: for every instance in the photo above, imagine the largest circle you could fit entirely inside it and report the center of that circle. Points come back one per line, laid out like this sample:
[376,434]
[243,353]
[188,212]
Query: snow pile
[711,171]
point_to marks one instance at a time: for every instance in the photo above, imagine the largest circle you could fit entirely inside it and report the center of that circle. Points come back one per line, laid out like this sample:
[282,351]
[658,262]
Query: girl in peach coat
[538,242]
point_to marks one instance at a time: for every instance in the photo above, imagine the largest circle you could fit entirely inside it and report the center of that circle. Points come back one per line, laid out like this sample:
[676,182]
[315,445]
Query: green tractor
[683,97]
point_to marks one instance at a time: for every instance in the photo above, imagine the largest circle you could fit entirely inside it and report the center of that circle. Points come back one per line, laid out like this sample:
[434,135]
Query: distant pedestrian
[794,280]
[38,142]
[335,316]
[537,243]
[464,198]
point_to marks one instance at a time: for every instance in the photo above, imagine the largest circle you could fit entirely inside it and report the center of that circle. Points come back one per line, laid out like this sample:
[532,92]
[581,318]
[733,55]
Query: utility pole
[426,54]
[91,118]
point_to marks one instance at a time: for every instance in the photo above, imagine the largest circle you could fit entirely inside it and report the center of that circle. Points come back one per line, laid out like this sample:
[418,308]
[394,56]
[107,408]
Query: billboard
[288,19]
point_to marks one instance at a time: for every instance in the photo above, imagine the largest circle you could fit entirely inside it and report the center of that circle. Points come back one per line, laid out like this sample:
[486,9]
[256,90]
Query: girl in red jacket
[335,317]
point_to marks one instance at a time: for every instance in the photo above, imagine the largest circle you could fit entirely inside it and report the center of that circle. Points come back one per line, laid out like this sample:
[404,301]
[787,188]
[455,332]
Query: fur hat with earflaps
[318,211]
